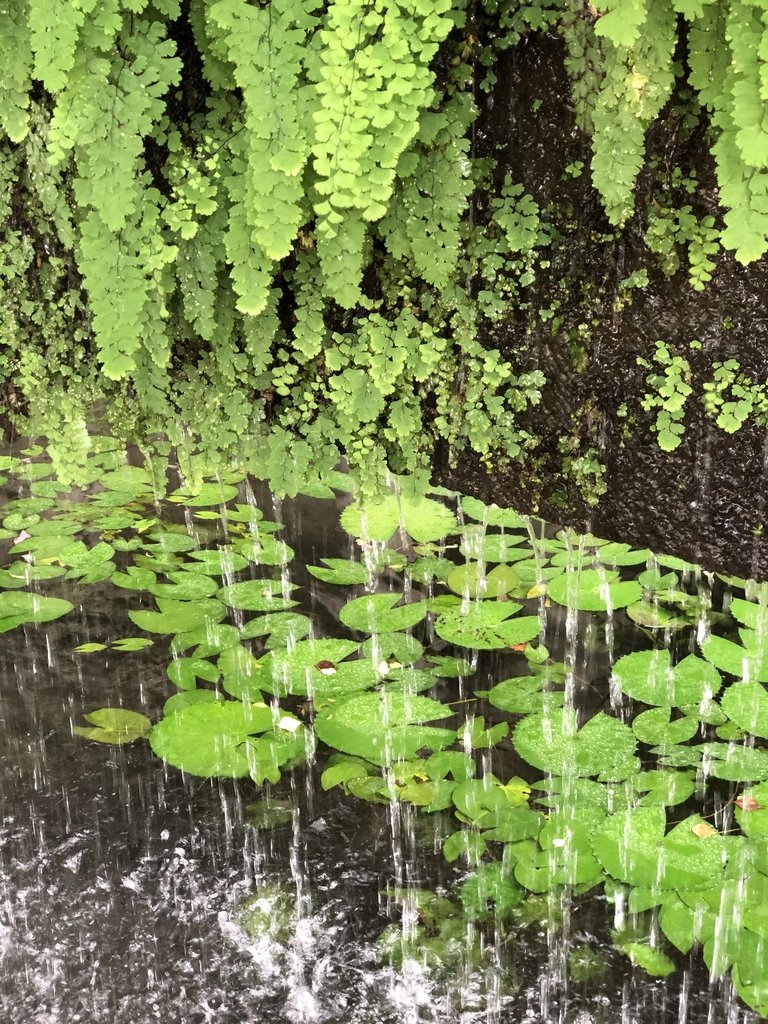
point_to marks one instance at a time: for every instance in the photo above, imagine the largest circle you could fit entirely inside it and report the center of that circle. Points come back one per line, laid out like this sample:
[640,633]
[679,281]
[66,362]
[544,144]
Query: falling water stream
[131,891]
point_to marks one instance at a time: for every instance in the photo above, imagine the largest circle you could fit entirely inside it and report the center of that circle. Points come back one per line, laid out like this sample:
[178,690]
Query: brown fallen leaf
[748,803]
[703,830]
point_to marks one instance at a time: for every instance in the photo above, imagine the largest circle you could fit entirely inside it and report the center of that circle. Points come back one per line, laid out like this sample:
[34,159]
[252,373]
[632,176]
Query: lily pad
[210,738]
[593,591]
[746,704]
[472,580]
[383,727]
[551,742]
[316,668]
[18,608]
[257,596]
[114,725]
[422,518]
[484,625]
[376,613]
[179,616]
[492,514]
[341,571]
[648,676]
[633,847]
[736,660]
[655,728]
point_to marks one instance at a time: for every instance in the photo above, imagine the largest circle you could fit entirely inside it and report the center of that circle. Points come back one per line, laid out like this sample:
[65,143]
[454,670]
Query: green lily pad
[257,596]
[210,738]
[472,580]
[735,762]
[114,725]
[552,743]
[422,518]
[316,668]
[341,571]
[648,676]
[216,562]
[655,728]
[476,544]
[653,961]
[492,514]
[184,586]
[383,727]
[280,628]
[179,616]
[751,811]
[484,625]
[18,608]
[376,613]
[633,846]
[593,591]
[208,494]
[736,660]
[746,704]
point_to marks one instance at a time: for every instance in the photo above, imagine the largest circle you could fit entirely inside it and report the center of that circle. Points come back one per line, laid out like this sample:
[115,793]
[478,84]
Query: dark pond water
[133,892]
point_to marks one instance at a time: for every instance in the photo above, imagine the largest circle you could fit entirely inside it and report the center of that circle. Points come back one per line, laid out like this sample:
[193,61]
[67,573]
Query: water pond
[327,759]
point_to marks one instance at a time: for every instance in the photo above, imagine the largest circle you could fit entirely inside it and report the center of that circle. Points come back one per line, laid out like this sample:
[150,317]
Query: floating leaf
[633,847]
[655,728]
[134,578]
[523,695]
[114,725]
[551,742]
[752,811]
[471,580]
[593,591]
[341,571]
[494,547]
[376,613]
[464,843]
[208,494]
[91,648]
[735,763]
[656,616]
[18,608]
[402,647]
[649,676]
[216,562]
[281,628]
[492,514]
[258,596]
[484,625]
[737,660]
[179,616]
[131,643]
[383,727]
[746,704]
[652,960]
[184,586]
[184,672]
[210,738]
[422,518]
[490,892]
[316,668]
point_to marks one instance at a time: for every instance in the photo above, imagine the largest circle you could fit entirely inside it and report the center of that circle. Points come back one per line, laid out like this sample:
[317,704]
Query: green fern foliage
[273,225]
